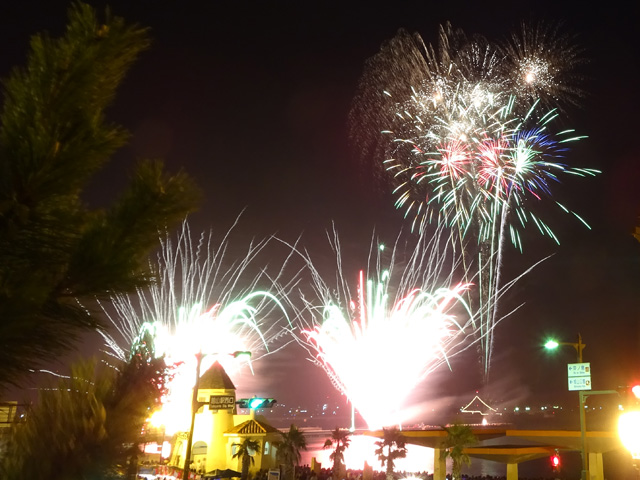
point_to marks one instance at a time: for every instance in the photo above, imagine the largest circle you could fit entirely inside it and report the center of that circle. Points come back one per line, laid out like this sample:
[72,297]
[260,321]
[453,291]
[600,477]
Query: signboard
[579,375]
[274,475]
[579,383]
[579,370]
[222,402]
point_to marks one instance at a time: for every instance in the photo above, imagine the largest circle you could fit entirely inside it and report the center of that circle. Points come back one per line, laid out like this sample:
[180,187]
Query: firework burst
[540,61]
[468,140]
[398,324]
[201,302]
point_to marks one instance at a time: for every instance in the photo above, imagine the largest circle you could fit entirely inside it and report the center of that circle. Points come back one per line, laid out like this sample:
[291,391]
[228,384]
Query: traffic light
[555,462]
[256,402]
[630,396]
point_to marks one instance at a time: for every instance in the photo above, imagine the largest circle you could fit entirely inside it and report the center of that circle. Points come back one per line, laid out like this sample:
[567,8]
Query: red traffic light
[629,396]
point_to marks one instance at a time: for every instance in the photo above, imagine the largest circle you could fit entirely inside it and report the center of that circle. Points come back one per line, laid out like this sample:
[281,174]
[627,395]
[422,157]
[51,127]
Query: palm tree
[289,448]
[394,442]
[339,440]
[245,452]
[458,438]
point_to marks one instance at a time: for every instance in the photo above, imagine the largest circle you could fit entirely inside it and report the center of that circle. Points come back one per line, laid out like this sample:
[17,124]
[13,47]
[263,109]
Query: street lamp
[579,346]
[195,405]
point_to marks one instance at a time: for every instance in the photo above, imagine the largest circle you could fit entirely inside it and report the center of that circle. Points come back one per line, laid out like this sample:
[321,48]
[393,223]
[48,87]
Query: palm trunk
[289,472]
[389,469]
[456,470]
[132,470]
[339,471]
[245,467]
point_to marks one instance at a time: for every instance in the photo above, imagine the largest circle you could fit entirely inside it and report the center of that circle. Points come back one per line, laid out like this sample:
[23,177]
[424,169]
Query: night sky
[251,99]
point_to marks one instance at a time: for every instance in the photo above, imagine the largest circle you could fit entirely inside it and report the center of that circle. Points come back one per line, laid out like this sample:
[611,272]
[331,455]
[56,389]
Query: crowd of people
[304,472]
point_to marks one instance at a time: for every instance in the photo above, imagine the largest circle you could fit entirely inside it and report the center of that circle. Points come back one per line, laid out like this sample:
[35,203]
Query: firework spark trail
[482,187]
[201,301]
[399,324]
[469,140]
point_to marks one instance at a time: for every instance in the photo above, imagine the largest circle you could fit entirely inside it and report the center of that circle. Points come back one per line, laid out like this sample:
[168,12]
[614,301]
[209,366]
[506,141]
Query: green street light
[242,355]
[551,344]
[256,402]
[579,346]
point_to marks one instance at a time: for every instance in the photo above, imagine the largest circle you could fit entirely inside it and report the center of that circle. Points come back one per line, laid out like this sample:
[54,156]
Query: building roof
[216,378]
[252,427]
[540,443]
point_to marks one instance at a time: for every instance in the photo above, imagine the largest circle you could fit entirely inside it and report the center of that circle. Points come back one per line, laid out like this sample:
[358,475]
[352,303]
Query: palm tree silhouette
[339,440]
[458,438]
[245,451]
[394,442]
[289,448]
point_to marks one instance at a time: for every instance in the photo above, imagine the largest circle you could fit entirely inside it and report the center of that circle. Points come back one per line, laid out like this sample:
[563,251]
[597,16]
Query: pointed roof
[477,405]
[252,427]
[215,378]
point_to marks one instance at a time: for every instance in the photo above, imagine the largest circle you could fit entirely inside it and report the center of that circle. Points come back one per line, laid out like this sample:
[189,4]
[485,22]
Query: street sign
[222,402]
[579,383]
[579,375]
[579,369]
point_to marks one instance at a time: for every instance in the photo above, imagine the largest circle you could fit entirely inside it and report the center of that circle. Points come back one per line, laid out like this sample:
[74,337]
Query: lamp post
[579,346]
[195,405]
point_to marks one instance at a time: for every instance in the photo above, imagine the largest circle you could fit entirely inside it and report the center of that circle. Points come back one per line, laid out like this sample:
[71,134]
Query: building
[218,429]
[513,446]
[8,417]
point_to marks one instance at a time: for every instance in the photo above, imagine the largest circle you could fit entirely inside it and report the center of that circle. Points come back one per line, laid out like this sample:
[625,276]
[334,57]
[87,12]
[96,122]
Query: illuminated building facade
[217,430]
